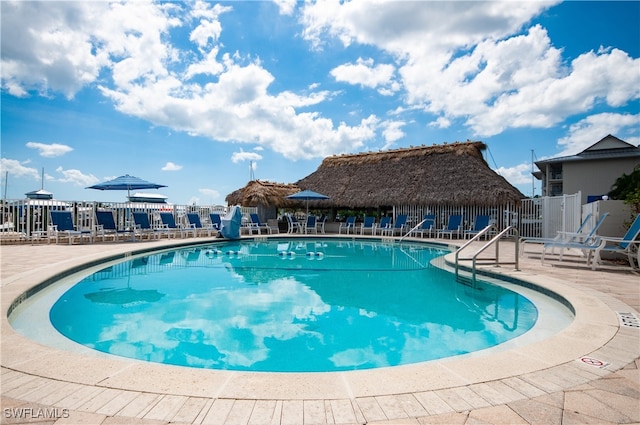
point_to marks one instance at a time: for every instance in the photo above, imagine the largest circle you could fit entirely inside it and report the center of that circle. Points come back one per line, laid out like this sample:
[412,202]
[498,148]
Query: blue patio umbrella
[307,195]
[127,183]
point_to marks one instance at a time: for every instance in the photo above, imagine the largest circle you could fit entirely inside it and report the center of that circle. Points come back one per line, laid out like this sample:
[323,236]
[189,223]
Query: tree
[627,189]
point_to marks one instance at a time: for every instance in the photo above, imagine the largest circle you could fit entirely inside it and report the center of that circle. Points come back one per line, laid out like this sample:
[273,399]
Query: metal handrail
[414,228]
[495,240]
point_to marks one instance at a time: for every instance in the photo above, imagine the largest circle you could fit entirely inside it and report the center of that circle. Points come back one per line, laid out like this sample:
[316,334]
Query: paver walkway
[42,386]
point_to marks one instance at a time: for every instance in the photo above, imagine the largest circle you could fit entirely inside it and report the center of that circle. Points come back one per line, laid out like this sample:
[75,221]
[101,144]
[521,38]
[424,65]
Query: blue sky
[190,94]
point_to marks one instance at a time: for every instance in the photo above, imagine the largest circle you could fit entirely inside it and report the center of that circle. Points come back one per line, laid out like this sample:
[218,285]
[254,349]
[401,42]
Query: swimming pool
[288,305]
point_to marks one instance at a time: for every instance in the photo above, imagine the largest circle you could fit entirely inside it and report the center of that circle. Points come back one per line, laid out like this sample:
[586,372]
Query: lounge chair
[143,225]
[385,225]
[255,221]
[627,245]
[579,235]
[584,242]
[454,226]
[62,226]
[196,224]
[369,224]
[169,223]
[479,224]
[348,225]
[106,227]
[428,225]
[216,221]
[311,224]
[399,225]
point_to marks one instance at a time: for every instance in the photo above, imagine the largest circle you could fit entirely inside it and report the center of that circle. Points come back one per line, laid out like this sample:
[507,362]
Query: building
[592,172]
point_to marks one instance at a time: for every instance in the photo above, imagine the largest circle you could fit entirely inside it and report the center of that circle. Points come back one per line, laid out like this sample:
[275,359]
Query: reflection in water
[323,305]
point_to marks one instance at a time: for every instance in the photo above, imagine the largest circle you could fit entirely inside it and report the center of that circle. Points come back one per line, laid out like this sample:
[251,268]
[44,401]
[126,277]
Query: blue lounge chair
[106,227]
[216,221]
[196,224]
[399,225]
[454,226]
[173,229]
[480,223]
[369,224]
[349,225]
[428,225]
[255,221]
[385,224]
[627,245]
[62,226]
[143,225]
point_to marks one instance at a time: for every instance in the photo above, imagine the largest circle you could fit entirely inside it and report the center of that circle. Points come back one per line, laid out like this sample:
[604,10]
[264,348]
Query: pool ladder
[493,260]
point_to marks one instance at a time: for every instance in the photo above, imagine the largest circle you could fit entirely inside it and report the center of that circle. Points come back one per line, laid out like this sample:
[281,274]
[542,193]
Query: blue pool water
[288,305]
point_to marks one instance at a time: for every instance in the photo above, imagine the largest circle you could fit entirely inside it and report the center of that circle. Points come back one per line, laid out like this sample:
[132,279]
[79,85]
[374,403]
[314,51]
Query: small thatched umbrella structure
[449,174]
[266,196]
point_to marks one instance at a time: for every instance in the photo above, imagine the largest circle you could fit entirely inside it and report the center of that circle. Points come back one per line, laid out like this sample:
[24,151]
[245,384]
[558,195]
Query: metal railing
[494,241]
[412,229]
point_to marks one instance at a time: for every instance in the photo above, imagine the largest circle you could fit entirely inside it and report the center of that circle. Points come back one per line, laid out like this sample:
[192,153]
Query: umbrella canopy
[127,183]
[307,195]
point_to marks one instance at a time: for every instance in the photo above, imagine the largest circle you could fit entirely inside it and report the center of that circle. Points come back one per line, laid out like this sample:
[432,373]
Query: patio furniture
[454,226]
[369,224]
[574,240]
[479,224]
[196,224]
[579,235]
[62,227]
[311,225]
[385,224]
[216,221]
[106,227]
[255,221]
[169,223]
[143,226]
[427,226]
[348,225]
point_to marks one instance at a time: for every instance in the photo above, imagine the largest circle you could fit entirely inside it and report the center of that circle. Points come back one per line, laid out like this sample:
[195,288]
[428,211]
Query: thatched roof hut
[438,175]
[260,193]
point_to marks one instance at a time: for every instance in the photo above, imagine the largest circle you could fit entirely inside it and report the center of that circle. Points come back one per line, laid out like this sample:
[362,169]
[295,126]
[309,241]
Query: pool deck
[588,373]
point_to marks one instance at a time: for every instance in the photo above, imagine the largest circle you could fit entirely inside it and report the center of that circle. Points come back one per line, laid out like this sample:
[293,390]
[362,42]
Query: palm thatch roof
[448,174]
[263,193]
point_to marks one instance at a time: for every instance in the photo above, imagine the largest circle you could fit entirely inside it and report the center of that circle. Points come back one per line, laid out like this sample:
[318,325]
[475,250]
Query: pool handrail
[412,229]
[495,240]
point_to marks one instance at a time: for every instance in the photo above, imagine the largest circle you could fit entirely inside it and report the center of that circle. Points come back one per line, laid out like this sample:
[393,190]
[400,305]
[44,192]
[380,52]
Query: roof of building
[609,147]
[447,174]
[261,192]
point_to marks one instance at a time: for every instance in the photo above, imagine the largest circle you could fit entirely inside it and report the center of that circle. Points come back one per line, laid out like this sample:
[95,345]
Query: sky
[203,96]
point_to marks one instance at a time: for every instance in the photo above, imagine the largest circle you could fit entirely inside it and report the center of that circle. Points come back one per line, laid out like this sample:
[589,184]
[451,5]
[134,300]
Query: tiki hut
[264,195]
[449,174]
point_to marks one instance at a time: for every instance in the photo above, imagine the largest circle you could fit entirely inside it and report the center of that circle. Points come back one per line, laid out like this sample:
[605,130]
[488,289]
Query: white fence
[28,219]
[537,217]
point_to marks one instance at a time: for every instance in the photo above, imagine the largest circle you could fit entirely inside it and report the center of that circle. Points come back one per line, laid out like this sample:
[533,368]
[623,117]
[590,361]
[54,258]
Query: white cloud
[366,74]
[51,150]
[593,128]
[287,7]
[245,156]
[16,168]
[466,60]
[170,166]
[516,175]
[76,177]
[210,193]
[392,131]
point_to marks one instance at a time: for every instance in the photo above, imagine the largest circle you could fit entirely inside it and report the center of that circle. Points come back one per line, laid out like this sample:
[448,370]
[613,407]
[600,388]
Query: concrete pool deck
[588,373]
